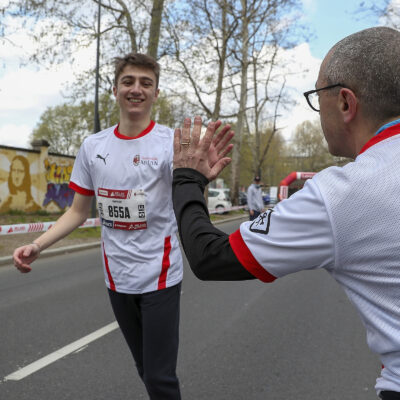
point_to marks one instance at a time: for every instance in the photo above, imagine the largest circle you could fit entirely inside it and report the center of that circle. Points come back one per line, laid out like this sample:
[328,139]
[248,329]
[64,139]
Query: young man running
[129,169]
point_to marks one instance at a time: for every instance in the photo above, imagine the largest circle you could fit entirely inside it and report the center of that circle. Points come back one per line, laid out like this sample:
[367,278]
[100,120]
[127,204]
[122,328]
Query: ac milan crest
[136,160]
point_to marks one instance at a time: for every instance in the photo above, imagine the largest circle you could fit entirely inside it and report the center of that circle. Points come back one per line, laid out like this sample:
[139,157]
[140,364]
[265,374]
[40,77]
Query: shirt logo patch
[261,223]
[149,161]
[136,160]
[102,158]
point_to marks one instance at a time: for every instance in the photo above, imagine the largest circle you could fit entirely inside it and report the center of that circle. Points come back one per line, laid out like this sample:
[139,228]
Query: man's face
[136,92]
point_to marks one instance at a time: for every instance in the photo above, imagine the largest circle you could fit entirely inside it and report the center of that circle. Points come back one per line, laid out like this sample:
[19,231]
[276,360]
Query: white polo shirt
[345,220]
[132,180]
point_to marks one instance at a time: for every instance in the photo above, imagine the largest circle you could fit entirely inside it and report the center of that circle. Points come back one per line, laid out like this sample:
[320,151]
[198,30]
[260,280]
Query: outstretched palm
[206,155]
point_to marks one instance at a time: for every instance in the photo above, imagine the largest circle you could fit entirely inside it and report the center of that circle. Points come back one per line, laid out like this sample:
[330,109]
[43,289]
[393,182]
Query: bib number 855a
[118,212]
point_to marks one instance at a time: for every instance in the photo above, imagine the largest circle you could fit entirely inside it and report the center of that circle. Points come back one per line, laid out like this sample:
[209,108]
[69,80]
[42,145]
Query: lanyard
[388,125]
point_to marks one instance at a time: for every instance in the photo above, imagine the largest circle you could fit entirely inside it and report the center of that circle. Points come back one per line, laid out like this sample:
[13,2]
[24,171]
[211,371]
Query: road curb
[8,260]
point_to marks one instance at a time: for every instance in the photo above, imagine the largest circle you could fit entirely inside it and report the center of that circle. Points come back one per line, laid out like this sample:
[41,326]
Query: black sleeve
[207,249]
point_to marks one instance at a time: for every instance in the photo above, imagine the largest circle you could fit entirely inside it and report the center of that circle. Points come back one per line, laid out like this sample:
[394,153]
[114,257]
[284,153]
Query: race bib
[122,209]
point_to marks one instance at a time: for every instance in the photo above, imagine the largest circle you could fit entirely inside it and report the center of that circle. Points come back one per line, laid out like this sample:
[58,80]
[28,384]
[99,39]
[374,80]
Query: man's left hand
[206,155]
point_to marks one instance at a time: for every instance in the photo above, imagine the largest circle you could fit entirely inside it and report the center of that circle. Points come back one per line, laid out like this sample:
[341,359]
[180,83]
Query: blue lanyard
[388,125]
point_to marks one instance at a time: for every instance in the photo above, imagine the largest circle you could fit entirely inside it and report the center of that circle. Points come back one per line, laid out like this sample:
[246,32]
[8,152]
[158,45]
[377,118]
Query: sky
[26,91]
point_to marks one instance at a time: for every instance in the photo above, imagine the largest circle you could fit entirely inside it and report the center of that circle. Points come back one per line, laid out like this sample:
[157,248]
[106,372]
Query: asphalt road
[297,338]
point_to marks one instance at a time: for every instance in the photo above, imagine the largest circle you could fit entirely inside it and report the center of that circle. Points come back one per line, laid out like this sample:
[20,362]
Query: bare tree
[262,36]
[199,50]
[388,11]
[60,28]
[244,65]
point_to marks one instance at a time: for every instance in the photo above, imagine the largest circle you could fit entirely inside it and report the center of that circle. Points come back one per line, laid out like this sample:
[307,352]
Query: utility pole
[96,126]
[96,95]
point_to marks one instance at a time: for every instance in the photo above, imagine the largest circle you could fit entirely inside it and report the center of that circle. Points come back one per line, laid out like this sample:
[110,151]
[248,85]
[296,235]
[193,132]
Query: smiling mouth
[135,101]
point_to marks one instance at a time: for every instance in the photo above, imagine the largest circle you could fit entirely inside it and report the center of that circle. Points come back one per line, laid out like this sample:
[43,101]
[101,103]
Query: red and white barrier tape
[90,222]
[40,226]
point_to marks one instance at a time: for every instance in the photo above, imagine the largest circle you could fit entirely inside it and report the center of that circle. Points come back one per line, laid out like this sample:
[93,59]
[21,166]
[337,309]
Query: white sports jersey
[346,221]
[132,180]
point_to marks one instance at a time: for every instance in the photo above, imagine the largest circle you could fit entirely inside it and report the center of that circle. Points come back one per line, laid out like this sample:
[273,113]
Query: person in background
[255,201]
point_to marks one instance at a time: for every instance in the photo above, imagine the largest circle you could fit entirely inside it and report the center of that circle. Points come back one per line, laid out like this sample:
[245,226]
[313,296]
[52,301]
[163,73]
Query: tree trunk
[155,25]
[242,104]
[221,70]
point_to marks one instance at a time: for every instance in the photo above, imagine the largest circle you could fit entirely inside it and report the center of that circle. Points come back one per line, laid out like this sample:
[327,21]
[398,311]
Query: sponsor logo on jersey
[116,194]
[107,223]
[262,223]
[137,160]
[120,195]
[130,226]
[102,158]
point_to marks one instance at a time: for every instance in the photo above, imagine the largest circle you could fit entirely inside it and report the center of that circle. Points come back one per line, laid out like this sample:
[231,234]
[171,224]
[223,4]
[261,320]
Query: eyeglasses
[312,97]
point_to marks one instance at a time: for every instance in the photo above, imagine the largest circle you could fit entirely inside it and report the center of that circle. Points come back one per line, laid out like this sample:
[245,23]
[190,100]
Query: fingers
[207,138]
[223,137]
[24,268]
[219,166]
[177,141]
[197,125]
[185,136]
[23,256]
[226,151]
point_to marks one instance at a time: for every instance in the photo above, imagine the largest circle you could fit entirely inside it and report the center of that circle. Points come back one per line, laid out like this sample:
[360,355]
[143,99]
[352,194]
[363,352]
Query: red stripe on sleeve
[247,259]
[162,280]
[110,279]
[80,190]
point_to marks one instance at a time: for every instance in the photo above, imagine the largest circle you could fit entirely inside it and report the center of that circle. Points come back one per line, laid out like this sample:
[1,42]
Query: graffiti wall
[32,180]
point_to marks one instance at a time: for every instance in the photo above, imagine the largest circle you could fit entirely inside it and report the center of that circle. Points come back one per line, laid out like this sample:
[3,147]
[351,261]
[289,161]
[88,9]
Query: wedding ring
[185,143]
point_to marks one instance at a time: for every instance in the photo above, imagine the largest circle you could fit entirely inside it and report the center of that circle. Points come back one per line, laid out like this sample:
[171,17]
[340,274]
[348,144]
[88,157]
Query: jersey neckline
[381,135]
[141,134]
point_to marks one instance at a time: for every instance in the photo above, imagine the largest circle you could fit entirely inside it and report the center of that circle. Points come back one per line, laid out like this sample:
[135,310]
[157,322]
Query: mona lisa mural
[33,179]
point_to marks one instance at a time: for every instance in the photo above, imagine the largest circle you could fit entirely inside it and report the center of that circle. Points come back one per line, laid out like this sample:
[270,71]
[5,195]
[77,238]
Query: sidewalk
[66,245]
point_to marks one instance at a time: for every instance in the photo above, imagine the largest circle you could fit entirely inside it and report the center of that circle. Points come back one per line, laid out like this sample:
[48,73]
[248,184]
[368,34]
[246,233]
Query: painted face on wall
[17,172]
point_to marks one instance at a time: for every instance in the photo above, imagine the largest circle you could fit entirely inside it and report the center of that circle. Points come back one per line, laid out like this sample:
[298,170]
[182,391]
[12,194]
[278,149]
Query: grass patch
[85,233]
[230,214]
[20,217]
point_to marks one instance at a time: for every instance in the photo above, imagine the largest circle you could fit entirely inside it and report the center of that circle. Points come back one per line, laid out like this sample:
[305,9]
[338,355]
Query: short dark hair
[368,63]
[138,60]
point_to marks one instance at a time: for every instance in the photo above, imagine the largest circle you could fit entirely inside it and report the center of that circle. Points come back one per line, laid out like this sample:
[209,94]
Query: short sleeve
[296,235]
[81,181]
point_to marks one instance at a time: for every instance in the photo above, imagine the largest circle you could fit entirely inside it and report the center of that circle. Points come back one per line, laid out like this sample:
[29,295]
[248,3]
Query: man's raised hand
[207,154]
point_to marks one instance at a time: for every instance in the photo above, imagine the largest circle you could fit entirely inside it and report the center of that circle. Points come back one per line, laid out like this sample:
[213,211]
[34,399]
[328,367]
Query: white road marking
[64,351]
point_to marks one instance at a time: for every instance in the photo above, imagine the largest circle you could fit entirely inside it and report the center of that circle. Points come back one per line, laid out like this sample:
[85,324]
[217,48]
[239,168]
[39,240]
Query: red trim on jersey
[110,279]
[247,259]
[119,135]
[80,190]
[387,133]
[162,280]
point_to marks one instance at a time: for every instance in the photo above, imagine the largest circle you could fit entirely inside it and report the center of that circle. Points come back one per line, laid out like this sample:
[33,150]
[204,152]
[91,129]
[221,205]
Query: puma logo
[102,158]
